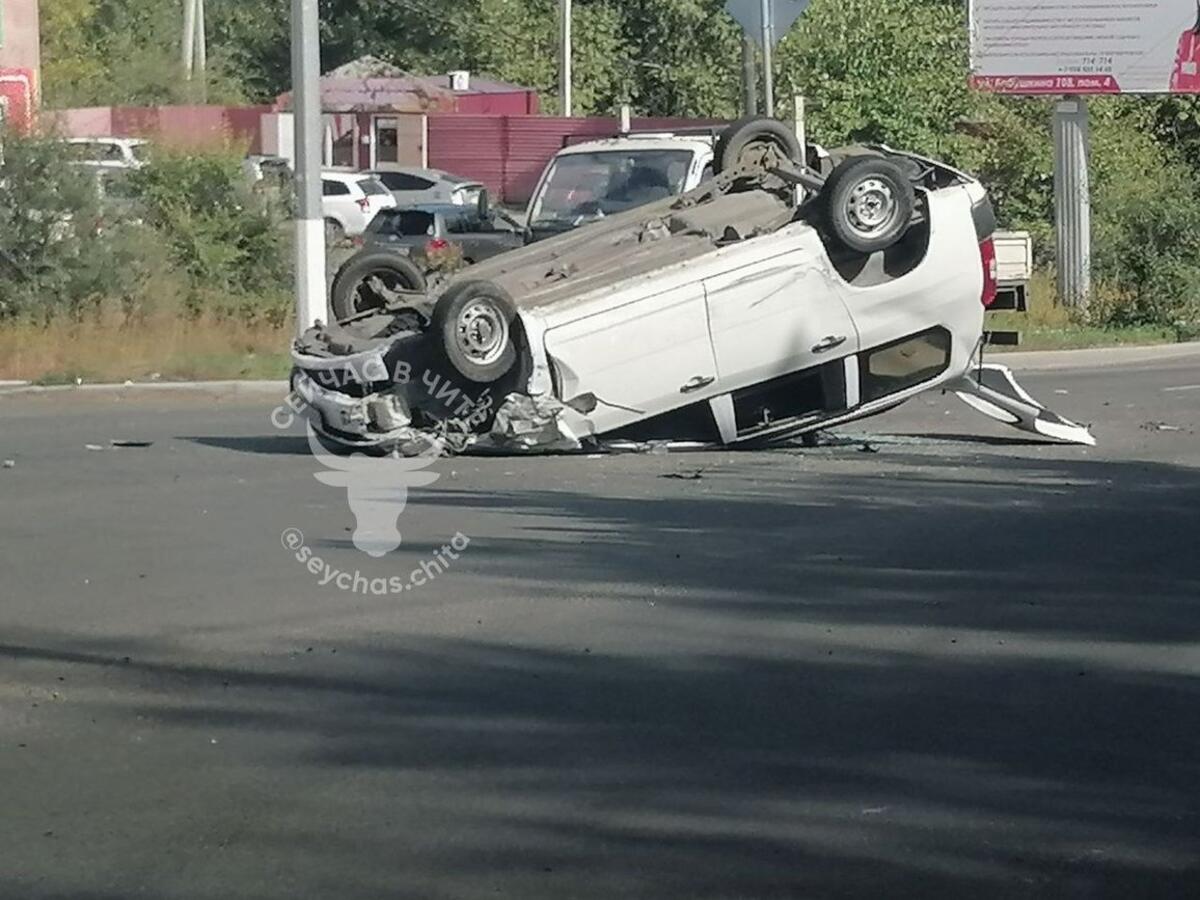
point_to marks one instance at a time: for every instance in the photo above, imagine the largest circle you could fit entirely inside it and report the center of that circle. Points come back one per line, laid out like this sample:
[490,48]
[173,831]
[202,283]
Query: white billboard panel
[1085,46]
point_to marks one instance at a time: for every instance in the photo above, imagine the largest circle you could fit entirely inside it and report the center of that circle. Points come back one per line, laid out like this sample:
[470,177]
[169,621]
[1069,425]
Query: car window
[586,185]
[141,152]
[461,224]
[334,188]
[401,181]
[372,188]
[403,223]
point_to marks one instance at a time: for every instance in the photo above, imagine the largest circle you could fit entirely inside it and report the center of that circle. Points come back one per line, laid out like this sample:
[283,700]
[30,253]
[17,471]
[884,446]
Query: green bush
[56,256]
[221,231]
[189,235]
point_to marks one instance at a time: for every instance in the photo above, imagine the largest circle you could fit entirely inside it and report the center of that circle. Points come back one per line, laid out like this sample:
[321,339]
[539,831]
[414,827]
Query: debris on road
[1160,426]
[10,464]
[132,444]
[95,448]
[695,475]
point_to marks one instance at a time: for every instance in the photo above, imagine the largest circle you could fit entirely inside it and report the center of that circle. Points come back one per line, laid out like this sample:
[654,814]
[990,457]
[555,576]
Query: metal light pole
[306,111]
[768,42]
[564,51]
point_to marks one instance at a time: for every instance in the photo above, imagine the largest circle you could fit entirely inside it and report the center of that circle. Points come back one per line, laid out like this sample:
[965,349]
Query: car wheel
[868,203]
[334,232]
[372,280]
[755,141]
[474,323]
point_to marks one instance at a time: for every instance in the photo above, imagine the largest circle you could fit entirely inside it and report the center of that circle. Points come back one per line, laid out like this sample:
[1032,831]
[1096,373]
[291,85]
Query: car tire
[868,203]
[334,232]
[394,269]
[756,141]
[474,324]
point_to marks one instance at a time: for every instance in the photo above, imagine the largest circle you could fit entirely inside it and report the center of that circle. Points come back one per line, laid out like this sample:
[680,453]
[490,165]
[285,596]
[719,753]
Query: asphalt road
[963,665]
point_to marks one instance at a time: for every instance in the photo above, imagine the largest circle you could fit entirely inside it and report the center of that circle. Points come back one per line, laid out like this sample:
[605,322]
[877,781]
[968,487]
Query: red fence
[185,127]
[508,153]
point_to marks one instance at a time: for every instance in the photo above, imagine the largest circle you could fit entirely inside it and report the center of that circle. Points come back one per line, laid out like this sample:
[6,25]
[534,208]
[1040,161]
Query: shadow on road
[917,683]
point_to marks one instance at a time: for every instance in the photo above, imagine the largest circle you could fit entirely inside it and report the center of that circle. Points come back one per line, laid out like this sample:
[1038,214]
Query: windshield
[584,186]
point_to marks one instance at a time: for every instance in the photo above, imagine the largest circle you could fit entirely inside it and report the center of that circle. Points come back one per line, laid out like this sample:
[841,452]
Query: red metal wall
[18,97]
[508,153]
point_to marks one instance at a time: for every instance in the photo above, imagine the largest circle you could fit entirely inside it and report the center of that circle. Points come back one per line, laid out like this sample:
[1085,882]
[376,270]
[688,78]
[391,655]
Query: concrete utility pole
[306,110]
[1072,201]
[749,76]
[768,44]
[189,38]
[564,53]
[195,42]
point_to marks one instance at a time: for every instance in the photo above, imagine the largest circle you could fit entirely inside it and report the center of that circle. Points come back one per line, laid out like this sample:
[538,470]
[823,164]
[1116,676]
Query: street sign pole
[768,44]
[306,110]
[1073,201]
[565,50]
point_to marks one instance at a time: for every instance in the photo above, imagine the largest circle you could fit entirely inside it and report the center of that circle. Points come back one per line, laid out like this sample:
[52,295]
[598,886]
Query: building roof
[370,84]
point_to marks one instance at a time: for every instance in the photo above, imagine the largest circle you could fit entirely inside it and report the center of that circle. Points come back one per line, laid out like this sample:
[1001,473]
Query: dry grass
[165,347]
[1048,325]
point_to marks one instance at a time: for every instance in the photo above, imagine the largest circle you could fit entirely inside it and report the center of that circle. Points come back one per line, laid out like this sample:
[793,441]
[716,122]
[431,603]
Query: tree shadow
[921,681]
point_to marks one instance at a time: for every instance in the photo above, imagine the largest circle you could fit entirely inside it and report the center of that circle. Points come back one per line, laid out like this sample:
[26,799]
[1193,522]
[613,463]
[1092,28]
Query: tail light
[991,280]
[364,203]
[436,245]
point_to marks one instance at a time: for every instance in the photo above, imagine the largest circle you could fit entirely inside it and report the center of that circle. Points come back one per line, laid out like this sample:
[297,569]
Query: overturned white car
[782,297]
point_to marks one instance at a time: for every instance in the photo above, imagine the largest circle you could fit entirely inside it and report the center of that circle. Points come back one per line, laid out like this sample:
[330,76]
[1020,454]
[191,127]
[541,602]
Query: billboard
[1085,46]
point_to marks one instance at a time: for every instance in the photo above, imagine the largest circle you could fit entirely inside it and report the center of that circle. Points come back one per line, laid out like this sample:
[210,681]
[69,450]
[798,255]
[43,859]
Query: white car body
[112,152]
[350,200]
[729,310]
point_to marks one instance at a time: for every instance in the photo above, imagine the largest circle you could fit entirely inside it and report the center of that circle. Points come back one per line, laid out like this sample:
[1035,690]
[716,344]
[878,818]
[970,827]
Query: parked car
[419,234]
[260,167]
[127,153]
[769,303]
[421,187]
[349,201]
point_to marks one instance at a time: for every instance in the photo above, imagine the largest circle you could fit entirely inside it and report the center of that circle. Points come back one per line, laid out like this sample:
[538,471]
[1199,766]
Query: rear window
[334,188]
[373,188]
[402,223]
[401,181]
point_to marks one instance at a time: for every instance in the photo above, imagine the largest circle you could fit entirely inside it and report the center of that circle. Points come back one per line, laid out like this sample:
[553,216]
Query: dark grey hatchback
[399,245]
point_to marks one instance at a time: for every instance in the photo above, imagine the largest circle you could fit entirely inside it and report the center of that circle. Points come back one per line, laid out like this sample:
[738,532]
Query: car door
[777,310]
[336,202]
[484,238]
[639,354]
